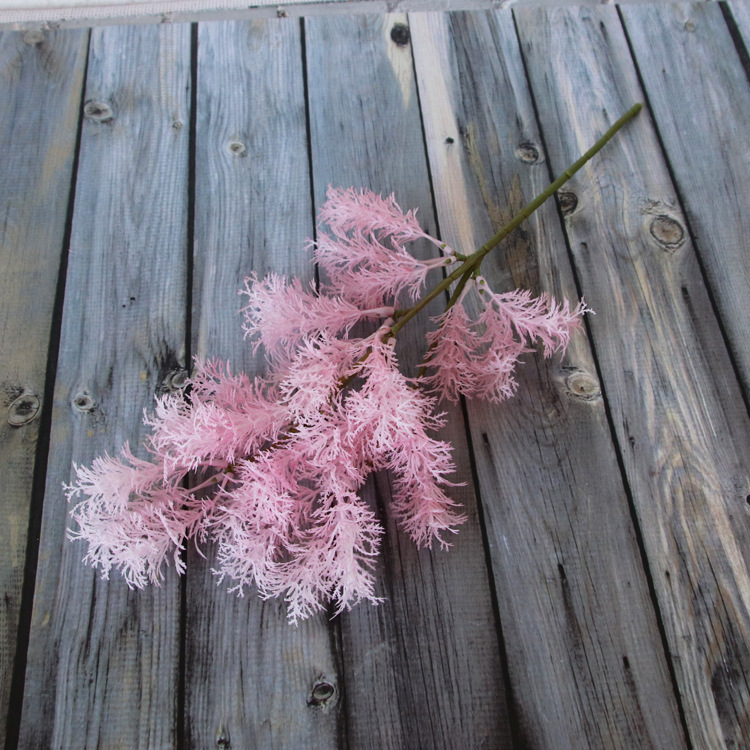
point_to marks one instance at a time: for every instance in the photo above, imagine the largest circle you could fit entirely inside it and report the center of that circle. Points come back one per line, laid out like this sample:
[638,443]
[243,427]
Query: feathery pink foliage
[477,358]
[280,314]
[365,259]
[271,469]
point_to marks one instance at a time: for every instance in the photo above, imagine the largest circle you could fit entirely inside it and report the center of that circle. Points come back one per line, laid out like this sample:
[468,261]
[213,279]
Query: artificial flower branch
[287,454]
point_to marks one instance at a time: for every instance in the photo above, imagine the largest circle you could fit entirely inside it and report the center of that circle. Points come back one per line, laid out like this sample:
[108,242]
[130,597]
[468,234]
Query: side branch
[473,261]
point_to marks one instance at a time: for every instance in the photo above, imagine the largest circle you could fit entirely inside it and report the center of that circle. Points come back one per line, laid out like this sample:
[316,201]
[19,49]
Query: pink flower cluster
[270,469]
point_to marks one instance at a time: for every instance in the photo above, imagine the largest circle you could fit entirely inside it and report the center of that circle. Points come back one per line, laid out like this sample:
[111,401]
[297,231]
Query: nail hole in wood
[83,402]
[98,111]
[23,409]
[400,34]
[237,148]
[568,202]
[321,694]
[527,152]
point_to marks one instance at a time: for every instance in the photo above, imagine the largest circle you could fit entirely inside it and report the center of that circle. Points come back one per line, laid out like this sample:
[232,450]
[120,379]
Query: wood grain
[700,100]
[250,675]
[103,661]
[566,563]
[676,406]
[41,83]
[423,669]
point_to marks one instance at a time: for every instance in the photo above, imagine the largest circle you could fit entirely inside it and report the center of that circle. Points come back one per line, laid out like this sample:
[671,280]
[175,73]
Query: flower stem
[473,261]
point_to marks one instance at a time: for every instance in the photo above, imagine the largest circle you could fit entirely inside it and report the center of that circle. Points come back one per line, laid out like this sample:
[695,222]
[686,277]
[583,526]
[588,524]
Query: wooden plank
[103,661]
[41,82]
[585,656]
[250,675]
[740,13]
[697,86]
[676,406]
[423,669]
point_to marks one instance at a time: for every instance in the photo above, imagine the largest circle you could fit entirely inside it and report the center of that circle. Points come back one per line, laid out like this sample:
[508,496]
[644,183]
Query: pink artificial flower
[362,213]
[309,379]
[365,260]
[391,417]
[276,463]
[280,314]
[294,526]
[133,517]
[476,358]
[334,560]
[224,417]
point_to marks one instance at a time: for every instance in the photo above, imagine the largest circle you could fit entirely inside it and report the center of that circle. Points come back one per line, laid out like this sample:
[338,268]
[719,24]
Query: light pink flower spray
[270,469]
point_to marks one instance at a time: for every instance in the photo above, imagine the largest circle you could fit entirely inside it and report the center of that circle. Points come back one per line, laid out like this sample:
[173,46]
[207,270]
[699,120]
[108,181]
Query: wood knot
[222,737]
[237,148]
[83,402]
[527,152]
[98,111]
[568,202]
[581,385]
[323,694]
[32,37]
[23,409]
[668,232]
[175,380]
[400,34]
[690,26]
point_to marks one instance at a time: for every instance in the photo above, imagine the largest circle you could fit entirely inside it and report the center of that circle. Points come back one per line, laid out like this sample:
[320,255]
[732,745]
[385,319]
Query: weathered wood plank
[423,669]
[103,661]
[700,99]
[250,675]
[585,656]
[676,405]
[41,83]
[740,12]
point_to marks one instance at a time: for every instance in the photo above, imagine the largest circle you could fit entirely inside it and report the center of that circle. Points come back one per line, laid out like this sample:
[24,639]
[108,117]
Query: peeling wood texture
[598,593]
[41,81]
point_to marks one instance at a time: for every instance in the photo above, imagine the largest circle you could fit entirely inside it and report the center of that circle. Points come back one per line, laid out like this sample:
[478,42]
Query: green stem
[473,261]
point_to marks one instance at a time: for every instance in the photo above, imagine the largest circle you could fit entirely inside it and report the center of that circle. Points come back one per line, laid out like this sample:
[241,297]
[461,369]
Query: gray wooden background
[598,595]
